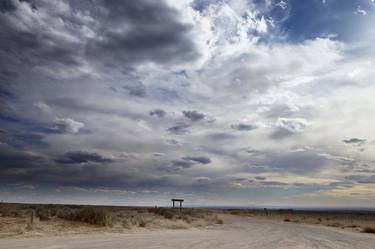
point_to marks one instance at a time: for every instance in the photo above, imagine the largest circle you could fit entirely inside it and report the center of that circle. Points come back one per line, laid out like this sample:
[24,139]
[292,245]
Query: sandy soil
[237,232]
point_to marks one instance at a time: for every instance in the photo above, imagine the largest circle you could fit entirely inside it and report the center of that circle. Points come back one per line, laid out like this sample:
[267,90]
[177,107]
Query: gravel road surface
[237,232]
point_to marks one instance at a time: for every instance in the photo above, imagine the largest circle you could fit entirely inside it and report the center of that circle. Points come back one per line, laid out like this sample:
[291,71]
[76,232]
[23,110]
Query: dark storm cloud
[158,113]
[41,47]
[244,127]
[60,40]
[10,159]
[153,33]
[6,5]
[22,139]
[77,157]
[179,128]
[193,115]
[27,167]
[261,178]
[183,163]
[199,159]
[137,89]
[355,141]
[188,162]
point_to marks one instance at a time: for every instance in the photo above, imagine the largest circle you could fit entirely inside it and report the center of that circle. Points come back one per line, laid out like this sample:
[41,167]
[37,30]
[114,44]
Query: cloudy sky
[220,102]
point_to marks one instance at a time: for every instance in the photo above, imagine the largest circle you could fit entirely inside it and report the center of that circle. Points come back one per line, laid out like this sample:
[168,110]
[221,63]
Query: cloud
[362,178]
[67,125]
[355,141]
[127,156]
[43,107]
[289,126]
[11,160]
[78,157]
[194,116]
[154,33]
[179,128]
[298,162]
[220,136]
[361,11]
[282,4]
[244,127]
[158,113]
[273,183]
[114,66]
[201,159]
[189,161]
[137,89]
[261,178]
[183,163]
[48,44]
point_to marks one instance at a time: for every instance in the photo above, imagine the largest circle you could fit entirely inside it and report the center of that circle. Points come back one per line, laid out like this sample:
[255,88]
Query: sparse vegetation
[43,213]
[335,224]
[165,212]
[142,223]
[58,219]
[91,215]
[368,230]
[219,221]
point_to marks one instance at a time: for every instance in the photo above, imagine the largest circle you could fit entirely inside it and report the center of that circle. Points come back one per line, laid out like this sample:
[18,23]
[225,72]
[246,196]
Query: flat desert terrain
[35,226]
[236,232]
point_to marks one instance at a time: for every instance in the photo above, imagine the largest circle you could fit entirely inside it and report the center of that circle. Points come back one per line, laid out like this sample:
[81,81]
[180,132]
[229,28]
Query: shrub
[368,230]
[335,224]
[91,215]
[219,221]
[43,213]
[10,211]
[142,223]
[126,224]
[235,212]
[166,213]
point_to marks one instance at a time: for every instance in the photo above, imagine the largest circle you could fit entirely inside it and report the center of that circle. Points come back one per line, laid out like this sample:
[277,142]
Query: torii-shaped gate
[178,200]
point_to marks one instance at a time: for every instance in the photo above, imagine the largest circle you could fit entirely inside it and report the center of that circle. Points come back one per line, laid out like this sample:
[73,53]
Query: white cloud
[293,125]
[282,4]
[361,11]
[68,125]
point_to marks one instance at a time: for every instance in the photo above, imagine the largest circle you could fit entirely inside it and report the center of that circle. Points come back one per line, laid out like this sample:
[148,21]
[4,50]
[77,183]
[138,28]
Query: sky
[219,102]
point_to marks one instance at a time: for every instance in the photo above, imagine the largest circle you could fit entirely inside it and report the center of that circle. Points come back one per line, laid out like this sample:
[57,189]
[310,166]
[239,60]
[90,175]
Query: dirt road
[237,232]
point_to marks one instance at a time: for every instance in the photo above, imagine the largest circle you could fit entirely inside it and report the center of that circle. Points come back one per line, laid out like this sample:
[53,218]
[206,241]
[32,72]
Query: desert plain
[76,227]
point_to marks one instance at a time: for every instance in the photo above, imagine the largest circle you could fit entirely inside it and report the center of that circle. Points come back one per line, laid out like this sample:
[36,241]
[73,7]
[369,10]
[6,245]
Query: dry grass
[351,220]
[15,219]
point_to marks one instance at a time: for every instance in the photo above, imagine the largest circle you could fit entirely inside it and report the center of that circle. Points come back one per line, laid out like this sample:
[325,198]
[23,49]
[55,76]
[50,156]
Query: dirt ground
[236,232]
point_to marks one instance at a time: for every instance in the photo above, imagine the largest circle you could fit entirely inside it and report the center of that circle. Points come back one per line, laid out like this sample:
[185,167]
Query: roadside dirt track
[237,232]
